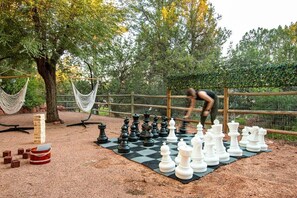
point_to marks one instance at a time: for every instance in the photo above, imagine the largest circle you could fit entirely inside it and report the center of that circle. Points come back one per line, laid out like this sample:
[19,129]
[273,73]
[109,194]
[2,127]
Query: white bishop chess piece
[167,164]
[184,170]
[217,130]
[234,149]
[198,164]
[179,144]
[172,137]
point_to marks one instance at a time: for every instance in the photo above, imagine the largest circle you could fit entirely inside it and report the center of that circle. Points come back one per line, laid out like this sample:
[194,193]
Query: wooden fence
[168,107]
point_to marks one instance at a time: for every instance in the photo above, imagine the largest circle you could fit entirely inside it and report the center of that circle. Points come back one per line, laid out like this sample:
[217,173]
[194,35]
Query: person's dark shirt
[209,93]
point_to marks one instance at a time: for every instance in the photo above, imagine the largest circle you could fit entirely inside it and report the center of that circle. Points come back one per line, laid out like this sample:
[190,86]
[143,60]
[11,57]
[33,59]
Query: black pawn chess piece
[148,141]
[123,130]
[102,136]
[126,122]
[154,130]
[132,136]
[123,146]
[165,120]
[163,131]
[136,123]
[143,132]
[183,128]
[156,121]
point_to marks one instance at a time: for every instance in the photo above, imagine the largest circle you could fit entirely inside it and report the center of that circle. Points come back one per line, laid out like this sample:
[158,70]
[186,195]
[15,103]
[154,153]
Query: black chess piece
[163,131]
[146,117]
[156,121]
[148,141]
[142,133]
[126,122]
[123,147]
[123,130]
[102,136]
[183,128]
[132,136]
[154,130]
[165,120]
[136,123]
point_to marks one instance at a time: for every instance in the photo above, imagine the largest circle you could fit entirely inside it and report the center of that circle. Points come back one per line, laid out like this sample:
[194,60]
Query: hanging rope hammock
[11,104]
[85,102]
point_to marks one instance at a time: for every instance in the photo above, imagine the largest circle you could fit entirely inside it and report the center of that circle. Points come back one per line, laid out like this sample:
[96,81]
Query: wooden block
[7,159]
[15,163]
[6,153]
[20,151]
[26,155]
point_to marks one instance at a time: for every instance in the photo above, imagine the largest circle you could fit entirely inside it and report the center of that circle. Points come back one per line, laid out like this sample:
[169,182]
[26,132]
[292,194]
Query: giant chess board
[151,156]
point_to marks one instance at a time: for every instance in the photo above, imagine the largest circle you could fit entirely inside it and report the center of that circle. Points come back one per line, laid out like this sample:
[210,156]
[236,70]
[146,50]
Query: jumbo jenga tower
[39,129]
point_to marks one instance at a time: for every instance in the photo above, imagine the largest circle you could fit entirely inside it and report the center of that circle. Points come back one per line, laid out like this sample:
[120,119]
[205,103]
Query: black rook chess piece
[102,136]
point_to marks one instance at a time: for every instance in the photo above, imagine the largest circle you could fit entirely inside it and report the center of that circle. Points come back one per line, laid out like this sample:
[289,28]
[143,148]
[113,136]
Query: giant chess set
[180,155]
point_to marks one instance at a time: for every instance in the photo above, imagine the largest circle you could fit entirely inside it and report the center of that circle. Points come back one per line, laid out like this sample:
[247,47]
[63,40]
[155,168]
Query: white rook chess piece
[198,164]
[262,133]
[200,131]
[253,144]
[172,137]
[184,170]
[210,157]
[244,137]
[217,130]
[234,149]
[167,164]
[179,144]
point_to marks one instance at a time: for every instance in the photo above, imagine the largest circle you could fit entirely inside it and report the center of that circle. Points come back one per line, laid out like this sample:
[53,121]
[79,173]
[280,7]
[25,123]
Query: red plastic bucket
[40,157]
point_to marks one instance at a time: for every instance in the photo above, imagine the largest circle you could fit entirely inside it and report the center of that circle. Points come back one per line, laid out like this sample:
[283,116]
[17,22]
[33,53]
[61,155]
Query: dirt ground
[80,168]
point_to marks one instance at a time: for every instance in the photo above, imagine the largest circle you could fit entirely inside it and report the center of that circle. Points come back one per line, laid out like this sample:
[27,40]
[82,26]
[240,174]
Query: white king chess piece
[167,164]
[234,149]
[172,137]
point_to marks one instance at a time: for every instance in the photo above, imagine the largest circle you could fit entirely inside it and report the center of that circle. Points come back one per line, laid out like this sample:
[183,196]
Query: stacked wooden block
[39,128]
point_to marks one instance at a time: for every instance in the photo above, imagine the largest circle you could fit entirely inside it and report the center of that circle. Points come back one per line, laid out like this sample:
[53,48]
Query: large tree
[41,31]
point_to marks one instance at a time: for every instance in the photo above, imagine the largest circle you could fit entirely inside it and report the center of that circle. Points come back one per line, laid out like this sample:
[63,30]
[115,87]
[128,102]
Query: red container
[40,157]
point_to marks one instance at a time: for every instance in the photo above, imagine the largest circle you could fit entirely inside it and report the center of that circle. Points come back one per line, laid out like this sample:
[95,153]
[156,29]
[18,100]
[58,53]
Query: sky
[240,16]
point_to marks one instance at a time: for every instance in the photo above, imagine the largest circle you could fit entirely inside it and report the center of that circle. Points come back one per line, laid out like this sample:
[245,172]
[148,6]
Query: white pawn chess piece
[171,137]
[167,164]
[244,137]
[198,164]
[210,157]
[263,145]
[218,136]
[179,144]
[253,144]
[234,149]
[200,131]
[184,170]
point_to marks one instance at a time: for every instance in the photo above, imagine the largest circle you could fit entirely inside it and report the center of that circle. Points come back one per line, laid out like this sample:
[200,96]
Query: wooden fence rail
[226,111]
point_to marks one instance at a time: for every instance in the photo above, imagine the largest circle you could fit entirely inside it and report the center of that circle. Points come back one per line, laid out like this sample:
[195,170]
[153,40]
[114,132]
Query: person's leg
[214,109]
[202,117]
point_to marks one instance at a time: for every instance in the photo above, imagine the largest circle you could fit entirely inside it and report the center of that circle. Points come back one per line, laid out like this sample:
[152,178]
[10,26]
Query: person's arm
[191,107]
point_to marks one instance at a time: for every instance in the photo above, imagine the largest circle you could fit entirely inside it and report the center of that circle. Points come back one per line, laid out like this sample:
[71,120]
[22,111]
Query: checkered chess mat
[151,156]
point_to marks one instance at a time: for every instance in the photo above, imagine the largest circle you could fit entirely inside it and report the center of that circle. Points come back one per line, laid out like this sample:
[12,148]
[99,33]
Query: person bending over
[210,104]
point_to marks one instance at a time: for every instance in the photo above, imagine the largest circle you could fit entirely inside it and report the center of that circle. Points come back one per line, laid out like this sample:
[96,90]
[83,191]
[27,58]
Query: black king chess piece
[102,136]
[123,147]
[148,141]
[136,123]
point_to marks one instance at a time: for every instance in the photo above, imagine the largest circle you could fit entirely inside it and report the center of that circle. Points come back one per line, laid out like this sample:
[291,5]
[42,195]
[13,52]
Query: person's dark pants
[213,111]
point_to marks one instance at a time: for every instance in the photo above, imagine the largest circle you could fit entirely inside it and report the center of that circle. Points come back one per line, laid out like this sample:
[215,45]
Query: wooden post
[132,103]
[226,109]
[108,103]
[168,103]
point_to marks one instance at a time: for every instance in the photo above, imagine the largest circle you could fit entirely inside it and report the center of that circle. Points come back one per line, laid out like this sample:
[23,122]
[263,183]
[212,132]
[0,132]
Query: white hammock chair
[11,104]
[85,102]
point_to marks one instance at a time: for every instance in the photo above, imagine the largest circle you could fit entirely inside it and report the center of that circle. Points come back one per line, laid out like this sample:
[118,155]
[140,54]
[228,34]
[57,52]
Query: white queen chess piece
[184,170]
[198,164]
[234,149]
[217,130]
[167,164]
[171,137]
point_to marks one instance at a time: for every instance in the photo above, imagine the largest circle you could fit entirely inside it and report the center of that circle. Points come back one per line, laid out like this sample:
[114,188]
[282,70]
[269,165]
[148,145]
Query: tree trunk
[48,73]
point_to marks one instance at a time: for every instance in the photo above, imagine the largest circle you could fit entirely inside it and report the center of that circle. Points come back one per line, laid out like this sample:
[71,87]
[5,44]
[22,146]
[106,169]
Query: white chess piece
[167,164]
[234,149]
[200,131]
[210,157]
[171,137]
[244,137]
[263,145]
[184,170]
[179,144]
[220,148]
[198,164]
[253,144]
